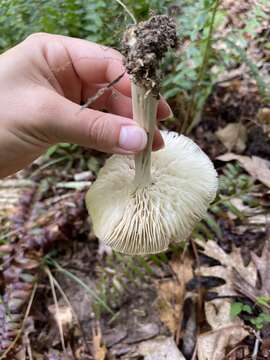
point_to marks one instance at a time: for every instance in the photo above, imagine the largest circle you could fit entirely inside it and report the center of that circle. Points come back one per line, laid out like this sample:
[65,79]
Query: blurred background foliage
[101,21]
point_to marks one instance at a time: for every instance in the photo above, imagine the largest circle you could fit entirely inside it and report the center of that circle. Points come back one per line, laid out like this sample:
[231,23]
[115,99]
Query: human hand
[44,79]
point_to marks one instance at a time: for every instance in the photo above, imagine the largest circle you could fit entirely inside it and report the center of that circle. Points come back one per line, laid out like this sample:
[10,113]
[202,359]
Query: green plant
[191,81]
[263,301]
[204,55]
[101,21]
[100,300]
[232,184]
[237,308]
[258,321]
[263,87]
[115,278]
[19,18]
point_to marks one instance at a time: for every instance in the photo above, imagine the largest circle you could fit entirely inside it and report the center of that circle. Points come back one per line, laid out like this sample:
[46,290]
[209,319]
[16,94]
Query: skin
[43,81]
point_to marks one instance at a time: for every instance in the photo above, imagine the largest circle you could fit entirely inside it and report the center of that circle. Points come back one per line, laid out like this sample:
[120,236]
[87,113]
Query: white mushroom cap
[144,220]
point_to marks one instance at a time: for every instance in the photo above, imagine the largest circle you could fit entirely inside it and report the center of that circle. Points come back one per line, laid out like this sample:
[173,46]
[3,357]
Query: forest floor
[208,298]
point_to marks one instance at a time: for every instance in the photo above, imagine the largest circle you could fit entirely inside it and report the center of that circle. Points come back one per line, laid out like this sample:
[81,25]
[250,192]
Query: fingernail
[169,111]
[132,138]
[158,142]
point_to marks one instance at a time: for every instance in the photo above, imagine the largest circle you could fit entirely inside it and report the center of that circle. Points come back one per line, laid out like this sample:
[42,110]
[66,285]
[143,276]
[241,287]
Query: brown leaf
[170,303]
[233,136]
[257,167]
[160,349]
[99,350]
[263,266]
[227,331]
[229,262]
[239,279]
[263,117]
[62,315]
[171,293]
[212,345]
[143,332]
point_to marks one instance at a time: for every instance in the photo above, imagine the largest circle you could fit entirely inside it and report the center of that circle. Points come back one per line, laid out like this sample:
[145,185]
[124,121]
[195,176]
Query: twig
[234,350]
[23,323]
[231,78]
[197,260]
[46,269]
[233,327]
[256,346]
[56,283]
[101,92]
[195,351]
[28,347]
[81,283]
[127,11]
[16,183]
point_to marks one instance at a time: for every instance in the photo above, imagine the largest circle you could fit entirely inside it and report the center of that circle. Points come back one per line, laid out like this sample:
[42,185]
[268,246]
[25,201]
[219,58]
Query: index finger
[94,63]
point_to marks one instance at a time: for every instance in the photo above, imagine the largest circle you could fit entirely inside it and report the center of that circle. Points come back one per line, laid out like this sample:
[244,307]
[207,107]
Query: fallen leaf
[229,265]
[182,267]
[114,336]
[171,293]
[21,354]
[263,269]
[63,316]
[190,324]
[226,331]
[170,303]
[233,136]
[99,349]
[257,167]
[263,117]
[143,332]
[160,349]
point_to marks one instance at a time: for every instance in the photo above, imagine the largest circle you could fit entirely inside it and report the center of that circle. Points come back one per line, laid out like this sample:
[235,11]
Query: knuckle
[37,36]
[97,131]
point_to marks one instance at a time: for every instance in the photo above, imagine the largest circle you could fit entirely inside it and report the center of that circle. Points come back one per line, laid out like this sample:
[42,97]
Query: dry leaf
[225,331]
[143,332]
[170,303]
[263,117]
[63,316]
[255,166]
[233,136]
[239,279]
[160,349]
[171,293]
[229,264]
[262,264]
[99,350]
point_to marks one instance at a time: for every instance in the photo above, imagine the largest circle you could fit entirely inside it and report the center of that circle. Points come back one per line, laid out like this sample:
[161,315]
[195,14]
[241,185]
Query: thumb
[64,121]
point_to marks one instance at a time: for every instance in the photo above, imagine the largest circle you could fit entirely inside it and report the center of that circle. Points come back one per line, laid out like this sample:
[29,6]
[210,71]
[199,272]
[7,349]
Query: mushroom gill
[144,219]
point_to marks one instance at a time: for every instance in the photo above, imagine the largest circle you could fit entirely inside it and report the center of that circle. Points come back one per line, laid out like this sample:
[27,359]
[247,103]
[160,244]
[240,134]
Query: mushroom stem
[144,105]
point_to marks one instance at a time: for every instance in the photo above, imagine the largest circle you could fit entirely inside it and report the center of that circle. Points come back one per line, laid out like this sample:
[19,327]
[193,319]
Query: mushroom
[140,205]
